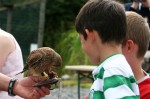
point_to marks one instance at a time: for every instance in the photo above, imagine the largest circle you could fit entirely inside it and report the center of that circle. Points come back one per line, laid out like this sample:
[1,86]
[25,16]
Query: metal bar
[82,76]
[78,84]
[86,75]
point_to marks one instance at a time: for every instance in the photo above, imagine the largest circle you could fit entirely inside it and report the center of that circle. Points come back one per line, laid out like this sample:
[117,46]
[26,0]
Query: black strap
[11,86]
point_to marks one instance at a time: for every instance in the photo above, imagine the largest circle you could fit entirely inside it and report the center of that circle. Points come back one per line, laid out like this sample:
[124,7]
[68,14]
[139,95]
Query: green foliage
[70,49]
[74,83]
[69,83]
[60,15]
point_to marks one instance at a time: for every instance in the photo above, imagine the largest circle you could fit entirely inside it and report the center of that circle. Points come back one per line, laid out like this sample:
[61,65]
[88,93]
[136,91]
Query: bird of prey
[41,61]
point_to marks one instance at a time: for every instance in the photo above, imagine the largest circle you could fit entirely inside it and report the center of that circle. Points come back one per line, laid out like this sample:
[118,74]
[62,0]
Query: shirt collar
[144,78]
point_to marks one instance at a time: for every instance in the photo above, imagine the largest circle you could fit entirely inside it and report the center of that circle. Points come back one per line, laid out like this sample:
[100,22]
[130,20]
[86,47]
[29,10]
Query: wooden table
[83,71]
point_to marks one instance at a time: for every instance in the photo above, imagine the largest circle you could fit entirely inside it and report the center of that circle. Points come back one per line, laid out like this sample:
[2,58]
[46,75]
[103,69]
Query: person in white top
[11,61]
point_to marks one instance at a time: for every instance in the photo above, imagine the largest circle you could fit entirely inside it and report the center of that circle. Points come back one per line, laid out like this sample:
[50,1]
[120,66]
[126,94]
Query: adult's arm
[7,46]
[24,87]
[4,81]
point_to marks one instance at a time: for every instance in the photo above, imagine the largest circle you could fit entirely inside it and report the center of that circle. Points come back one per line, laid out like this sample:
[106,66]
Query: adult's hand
[24,88]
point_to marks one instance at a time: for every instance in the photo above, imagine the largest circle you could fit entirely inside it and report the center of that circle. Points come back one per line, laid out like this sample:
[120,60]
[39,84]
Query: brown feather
[41,60]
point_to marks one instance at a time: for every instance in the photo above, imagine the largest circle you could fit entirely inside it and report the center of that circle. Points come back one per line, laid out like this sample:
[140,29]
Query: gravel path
[67,93]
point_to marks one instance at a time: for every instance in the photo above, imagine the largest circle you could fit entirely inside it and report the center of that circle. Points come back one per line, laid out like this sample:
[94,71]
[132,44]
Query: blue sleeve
[128,6]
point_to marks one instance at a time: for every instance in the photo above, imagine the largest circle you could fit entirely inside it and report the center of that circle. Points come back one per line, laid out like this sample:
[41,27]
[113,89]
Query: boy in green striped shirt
[101,25]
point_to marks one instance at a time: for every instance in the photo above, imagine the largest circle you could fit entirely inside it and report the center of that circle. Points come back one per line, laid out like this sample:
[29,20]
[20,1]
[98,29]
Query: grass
[83,83]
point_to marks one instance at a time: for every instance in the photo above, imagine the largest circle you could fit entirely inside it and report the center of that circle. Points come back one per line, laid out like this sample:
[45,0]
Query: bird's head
[57,60]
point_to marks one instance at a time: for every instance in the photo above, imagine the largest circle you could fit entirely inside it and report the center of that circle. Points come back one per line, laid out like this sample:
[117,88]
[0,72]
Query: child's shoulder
[115,60]
[116,65]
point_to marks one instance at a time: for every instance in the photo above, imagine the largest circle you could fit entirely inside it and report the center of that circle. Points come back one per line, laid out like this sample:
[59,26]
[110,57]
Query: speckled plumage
[41,60]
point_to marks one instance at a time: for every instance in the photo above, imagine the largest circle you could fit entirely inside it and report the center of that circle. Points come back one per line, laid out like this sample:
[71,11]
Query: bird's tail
[24,69]
[21,72]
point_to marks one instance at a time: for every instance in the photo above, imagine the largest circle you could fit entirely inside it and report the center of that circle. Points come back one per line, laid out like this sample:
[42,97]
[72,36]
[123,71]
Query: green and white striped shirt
[113,79]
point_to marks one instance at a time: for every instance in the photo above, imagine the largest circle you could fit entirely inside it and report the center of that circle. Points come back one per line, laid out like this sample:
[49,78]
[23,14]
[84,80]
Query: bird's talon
[46,77]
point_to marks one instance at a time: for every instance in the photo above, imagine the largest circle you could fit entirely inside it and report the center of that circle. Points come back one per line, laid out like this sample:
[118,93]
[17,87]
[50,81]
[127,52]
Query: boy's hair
[138,31]
[107,17]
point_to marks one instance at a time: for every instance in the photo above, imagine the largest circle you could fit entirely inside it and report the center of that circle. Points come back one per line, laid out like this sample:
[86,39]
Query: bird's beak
[46,75]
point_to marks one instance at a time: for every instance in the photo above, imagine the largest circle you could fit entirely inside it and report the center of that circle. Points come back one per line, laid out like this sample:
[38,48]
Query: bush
[69,47]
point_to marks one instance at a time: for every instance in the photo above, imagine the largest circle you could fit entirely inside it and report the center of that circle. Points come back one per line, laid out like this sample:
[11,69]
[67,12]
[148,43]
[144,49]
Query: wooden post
[41,23]
[9,18]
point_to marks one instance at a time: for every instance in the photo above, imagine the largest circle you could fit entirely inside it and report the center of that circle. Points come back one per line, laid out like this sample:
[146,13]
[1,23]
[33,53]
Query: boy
[101,25]
[134,48]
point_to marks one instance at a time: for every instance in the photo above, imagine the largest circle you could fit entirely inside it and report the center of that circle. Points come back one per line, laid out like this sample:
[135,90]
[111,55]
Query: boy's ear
[130,45]
[90,34]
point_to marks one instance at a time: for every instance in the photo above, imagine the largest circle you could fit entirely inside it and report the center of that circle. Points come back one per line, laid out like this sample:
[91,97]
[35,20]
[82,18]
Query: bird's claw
[47,82]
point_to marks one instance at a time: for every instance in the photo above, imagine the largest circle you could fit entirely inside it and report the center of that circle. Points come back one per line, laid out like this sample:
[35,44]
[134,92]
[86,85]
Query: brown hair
[107,17]
[138,31]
